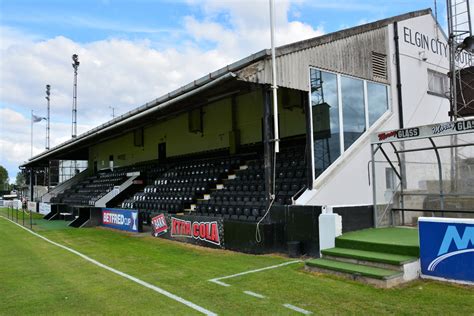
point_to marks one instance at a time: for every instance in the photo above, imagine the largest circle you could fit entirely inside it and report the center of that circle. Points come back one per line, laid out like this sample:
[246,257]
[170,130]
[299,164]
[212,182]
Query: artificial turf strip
[38,223]
[396,235]
[403,241]
[372,256]
[376,273]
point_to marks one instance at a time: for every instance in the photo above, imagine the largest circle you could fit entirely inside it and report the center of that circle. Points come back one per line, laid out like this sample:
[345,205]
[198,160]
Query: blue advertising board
[447,248]
[120,219]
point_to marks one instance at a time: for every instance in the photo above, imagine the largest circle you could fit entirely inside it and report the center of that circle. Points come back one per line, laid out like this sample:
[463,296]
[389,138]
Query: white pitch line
[254,294]
[217,280]
[297,309]
[122,274]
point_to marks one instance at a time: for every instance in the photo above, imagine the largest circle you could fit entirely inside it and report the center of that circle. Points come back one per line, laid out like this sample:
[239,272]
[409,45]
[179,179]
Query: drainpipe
[400,115]
[399,76]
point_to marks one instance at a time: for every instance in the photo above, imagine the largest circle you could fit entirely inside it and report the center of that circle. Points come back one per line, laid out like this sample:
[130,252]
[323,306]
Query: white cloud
[15,139]
[247,26]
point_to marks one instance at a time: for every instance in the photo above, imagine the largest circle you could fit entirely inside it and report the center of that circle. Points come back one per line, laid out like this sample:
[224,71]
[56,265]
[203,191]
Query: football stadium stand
[200,164]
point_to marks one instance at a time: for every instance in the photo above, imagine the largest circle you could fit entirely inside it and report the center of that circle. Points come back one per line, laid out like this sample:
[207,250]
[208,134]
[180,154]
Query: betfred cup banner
[159,225]
[447,248]
[120,219]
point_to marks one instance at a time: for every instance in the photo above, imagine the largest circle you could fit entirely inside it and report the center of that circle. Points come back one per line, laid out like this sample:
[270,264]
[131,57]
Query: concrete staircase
[102,202]
[367,256]
[64,186]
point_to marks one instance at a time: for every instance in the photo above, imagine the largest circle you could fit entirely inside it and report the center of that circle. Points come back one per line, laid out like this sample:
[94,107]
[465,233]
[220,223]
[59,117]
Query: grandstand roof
[222,81]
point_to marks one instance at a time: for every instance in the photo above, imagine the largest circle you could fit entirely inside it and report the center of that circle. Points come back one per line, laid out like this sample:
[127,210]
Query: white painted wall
[419,107]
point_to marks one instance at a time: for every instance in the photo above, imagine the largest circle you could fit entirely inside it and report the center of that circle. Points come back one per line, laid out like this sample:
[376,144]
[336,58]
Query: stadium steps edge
[383,263]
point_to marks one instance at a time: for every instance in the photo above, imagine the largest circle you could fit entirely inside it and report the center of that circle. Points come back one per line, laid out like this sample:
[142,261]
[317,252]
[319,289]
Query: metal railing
[13,214]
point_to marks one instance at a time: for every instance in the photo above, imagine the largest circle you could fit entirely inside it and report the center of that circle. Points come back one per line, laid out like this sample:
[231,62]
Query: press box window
[437,83]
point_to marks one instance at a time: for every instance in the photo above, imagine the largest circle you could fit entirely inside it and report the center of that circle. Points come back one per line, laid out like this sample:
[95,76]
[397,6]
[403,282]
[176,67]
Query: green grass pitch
[39,278]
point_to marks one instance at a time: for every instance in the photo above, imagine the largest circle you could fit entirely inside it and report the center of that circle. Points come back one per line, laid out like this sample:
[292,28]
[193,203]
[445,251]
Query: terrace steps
[375,257]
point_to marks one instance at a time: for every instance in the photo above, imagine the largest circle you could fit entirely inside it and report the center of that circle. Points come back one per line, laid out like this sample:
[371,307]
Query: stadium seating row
[248,186]
[180,186]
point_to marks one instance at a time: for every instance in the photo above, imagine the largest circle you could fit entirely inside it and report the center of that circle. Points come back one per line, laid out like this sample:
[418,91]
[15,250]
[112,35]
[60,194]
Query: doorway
[161,151]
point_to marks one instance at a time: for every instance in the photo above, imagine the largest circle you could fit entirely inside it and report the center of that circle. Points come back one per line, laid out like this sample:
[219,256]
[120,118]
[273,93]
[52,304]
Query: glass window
[353,109]
[326,128]
[355,106]
[437,83]
[377,98]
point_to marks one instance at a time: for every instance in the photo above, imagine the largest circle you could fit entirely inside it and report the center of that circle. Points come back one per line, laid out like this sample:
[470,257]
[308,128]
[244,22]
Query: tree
[4,182]
[20,180]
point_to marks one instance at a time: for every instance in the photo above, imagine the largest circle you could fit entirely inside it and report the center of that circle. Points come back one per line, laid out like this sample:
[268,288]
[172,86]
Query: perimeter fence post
[440,173]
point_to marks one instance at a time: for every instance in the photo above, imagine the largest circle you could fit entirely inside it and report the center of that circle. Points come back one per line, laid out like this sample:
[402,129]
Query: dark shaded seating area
[182,185]
[243,196]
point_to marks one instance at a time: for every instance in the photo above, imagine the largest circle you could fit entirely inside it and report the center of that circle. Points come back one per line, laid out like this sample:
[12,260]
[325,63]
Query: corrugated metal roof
[350,55]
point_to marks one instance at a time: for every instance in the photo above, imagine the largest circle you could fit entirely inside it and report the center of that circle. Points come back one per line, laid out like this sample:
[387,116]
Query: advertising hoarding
[447,248]
[44,208]
[159,225]
[199,230]
[120,219]
[32,206]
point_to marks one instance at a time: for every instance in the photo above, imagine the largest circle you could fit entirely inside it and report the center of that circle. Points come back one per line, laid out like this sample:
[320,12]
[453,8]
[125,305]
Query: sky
[132,52]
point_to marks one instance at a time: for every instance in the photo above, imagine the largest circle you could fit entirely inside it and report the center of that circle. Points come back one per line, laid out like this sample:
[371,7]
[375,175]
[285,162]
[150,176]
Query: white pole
[274,79]
[31,149]
[48,93]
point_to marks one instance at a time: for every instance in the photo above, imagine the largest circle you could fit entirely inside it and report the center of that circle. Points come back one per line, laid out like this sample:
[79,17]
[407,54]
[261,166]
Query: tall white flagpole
[31,149]
[274,79]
